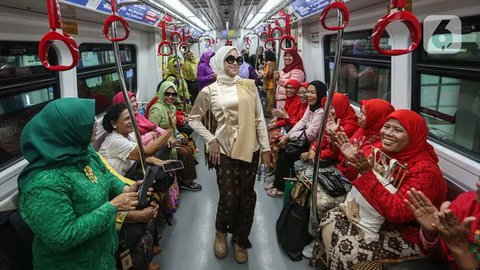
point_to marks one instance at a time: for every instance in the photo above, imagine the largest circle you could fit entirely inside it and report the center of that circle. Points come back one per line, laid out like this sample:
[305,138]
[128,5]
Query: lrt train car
[52,49]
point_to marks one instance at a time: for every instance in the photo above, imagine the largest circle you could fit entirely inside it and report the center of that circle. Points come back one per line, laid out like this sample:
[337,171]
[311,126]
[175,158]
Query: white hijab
[216,62]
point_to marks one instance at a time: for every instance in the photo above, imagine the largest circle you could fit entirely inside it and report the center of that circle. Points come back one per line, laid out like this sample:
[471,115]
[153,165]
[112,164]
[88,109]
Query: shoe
[275,193]
[307,251]
[239,254]
[220,245]
[193,187]
[157,250]
[153,266]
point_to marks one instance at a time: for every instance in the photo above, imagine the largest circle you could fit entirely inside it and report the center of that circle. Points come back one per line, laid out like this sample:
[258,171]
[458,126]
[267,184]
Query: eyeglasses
[230,59]
[170,94]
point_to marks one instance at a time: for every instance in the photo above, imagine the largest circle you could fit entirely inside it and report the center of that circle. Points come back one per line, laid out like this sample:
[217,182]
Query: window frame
[454,68]
[28,83]
[372,60]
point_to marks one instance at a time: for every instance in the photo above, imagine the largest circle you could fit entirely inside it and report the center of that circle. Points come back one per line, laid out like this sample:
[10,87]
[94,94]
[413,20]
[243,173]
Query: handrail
[55,20]
[397,14]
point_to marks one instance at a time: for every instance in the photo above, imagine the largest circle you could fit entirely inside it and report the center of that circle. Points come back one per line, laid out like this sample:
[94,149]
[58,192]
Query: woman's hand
[345,146]
[276,75]
[361,162]
[125,201]
[154,134]
[214,152]
[453,232]
[172,142]
[266,158]
[147,213]
[311,155]
[424,211]
[272,126]
[282,142]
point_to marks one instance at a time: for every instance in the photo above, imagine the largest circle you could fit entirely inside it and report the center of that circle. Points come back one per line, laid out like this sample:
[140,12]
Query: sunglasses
[230,59]
[170,94]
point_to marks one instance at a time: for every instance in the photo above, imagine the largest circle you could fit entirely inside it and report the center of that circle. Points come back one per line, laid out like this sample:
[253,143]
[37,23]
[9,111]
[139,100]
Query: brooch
[89,173]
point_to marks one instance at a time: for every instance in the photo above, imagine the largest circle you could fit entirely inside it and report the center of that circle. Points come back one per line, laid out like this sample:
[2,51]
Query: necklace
[89,173]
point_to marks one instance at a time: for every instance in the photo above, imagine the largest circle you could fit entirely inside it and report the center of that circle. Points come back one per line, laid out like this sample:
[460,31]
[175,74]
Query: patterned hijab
[144,125]
[58,135]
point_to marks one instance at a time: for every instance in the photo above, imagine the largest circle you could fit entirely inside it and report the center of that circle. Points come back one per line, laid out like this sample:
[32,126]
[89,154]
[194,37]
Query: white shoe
[308,250]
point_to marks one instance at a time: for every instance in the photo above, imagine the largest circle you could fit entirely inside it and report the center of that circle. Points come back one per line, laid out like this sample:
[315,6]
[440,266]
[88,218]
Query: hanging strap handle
[55,20]
[112,19]
[340,6]
[397,14]
[165,47]
[287,37]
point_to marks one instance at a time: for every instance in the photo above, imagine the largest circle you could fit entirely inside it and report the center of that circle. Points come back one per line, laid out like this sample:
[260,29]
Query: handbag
[298,146]
[332,182]
[292,227]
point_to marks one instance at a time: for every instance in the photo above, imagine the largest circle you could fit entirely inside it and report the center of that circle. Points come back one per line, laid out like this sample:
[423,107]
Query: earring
[114,126]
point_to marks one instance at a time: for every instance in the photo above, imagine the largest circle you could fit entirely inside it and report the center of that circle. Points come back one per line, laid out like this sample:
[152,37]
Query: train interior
[443,88]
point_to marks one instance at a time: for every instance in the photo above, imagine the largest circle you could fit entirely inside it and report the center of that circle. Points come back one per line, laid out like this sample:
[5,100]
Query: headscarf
[144,125]
[417,148]
[304,85]
[172,70]
[376,110]
[206,56]
[297,61]
[321,93]
[270,56]
[343,110]
[57,136]
[189,69]
[217,65]
[295,99]
[163,88]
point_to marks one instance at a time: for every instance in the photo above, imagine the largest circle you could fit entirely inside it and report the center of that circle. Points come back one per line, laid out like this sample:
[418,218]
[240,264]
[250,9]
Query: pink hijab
[144,125]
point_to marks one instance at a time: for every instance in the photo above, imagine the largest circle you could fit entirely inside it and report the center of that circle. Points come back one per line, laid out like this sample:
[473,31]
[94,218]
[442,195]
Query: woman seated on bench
[451,232]
[374,222]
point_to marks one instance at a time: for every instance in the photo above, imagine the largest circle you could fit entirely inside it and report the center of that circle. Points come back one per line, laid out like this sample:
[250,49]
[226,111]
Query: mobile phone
[143,200]
[172,166]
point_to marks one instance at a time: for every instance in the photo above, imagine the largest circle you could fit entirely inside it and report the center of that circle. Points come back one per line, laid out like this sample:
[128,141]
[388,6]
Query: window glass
[15,111]
[20,60]
[102,88]
[96,55]
[363,81]
[357,44]
[451,107]
[469,51]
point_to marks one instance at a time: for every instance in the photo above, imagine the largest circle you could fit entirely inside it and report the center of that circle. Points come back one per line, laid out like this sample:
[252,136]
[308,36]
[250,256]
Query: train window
[25,88]
[19,60]
[364,73]
[97,75]
[446,91]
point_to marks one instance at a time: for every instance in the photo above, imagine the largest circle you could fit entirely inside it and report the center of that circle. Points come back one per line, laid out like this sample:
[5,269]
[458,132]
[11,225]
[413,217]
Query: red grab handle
[161,50]
[408,19]
[342,8]
[55,21]
[184,47]
[108,23]
[269,44]
[287,36]
[47,41]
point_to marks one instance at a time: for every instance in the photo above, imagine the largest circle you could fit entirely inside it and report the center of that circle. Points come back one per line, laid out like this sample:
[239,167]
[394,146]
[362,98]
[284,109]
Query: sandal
[268,187]
[275,193]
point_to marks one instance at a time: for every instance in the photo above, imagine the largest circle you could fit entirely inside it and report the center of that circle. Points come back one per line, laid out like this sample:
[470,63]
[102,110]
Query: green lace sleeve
[47,208]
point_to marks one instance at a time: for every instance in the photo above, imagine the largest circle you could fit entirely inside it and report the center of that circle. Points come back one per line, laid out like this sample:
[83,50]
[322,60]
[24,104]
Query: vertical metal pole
[331,92]
[123,88]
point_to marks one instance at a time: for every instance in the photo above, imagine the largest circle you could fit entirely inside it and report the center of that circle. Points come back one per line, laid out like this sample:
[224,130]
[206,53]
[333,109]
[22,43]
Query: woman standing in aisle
[234,148]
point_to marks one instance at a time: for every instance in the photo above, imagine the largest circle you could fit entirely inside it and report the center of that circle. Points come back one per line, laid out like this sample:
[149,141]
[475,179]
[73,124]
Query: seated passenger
[306,129]
[182,102]
[374,222]
[285,118]
[149,130]
[162,113]
[67,197]
[450,233]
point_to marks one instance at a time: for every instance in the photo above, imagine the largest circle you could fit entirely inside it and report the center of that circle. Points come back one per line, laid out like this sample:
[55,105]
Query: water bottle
[261,172]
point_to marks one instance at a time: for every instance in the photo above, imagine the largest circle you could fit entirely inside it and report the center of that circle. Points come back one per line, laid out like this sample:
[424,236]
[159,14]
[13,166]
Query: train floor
[188,243]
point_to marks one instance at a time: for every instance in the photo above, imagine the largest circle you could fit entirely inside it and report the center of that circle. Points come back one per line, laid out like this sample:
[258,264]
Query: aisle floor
[188,243]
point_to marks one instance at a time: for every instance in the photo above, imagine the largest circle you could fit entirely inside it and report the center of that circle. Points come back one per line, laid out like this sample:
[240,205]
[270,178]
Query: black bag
[298,146]
[417,264]
[292,228]
[331,180]
[163,180]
